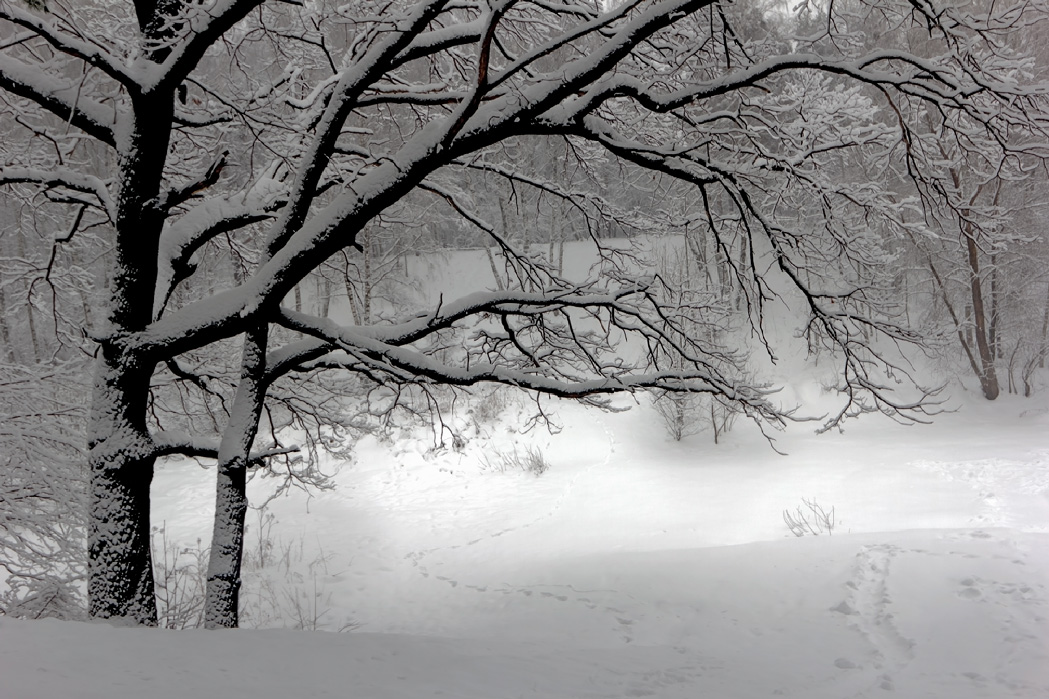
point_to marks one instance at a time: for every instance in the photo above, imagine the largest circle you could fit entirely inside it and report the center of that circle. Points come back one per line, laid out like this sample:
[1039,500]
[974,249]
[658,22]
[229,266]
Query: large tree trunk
[120,572]
[231,500]
[122,455]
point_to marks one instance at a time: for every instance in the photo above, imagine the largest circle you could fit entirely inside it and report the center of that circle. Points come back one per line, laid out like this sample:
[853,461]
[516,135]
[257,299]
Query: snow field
[635,566]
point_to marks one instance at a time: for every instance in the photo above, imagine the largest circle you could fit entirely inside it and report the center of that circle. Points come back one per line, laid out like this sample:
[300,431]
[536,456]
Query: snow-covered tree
[275,135]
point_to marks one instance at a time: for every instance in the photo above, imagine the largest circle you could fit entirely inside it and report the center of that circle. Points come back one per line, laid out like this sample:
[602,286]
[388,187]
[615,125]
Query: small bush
[686,414]
[180,576]
[532,461]
[490,406]
[809,518]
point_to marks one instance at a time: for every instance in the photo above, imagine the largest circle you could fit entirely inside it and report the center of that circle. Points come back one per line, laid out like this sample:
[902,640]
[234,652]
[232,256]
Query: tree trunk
[323,295]
[30,316]
[222,606]
[997,351]
[120,571]
[122,455]
[366,243]
[1045,332]
[5,330]
[988,377]
[231,500]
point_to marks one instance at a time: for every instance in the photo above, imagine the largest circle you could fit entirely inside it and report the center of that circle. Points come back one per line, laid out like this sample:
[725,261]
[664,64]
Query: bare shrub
[180,576]
[490,405]
[283,586]
[532,461]
[686,414]
[809,518]
[43,489]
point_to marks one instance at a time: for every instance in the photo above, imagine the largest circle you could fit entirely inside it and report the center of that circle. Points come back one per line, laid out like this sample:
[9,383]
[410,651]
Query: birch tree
[277,132]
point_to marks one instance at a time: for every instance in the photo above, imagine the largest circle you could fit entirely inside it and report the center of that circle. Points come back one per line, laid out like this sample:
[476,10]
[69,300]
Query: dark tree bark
[120,572]
[121,454]
[987,375]
[231,500]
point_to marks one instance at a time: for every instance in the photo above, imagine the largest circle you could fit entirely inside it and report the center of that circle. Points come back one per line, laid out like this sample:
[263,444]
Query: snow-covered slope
[635,566]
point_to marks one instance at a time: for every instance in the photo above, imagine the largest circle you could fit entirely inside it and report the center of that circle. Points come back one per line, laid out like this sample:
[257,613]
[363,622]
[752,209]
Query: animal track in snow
[978,589]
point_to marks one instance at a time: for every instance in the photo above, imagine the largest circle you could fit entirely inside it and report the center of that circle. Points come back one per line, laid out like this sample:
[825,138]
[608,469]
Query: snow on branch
[438,40]
[351,84]
[65,178]
[202,223]
[921,83]
[533,99]
[91,54]
[562,359]
[173,443]
[58,97]
[201,27]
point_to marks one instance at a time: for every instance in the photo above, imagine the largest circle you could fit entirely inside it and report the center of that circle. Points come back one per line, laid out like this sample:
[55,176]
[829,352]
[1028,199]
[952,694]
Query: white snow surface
[635,566]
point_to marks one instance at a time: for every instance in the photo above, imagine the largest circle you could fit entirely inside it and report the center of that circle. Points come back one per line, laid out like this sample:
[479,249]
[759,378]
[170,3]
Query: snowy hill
[635,566]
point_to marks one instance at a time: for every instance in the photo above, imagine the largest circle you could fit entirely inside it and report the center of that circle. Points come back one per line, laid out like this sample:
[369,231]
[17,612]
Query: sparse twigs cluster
[530,460]
[43,489]
[809,519]
[291,591]
[283,586]
[686,414]
[490,406]
[704,312]
[180,575]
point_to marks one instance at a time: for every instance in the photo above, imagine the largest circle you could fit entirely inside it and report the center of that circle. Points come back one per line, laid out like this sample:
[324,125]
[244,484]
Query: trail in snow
[869,607]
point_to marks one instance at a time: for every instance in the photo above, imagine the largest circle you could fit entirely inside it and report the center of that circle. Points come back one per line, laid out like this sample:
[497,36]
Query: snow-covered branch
[63,42]
[171,443]
[389,355]
[353,82]
[62,177]
[204,26]
[61,98]
[204,222]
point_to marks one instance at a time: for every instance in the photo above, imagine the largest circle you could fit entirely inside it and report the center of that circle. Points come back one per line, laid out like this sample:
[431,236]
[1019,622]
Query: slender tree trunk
[1045,331]
[231,500]
[966,345]
[30,316]
[351,295]
[5,329]
[323,295]
[996,308]
[495,272]
[987,375]
[366,242]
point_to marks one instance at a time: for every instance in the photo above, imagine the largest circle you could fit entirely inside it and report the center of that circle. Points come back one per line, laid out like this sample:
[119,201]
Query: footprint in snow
[1006,594]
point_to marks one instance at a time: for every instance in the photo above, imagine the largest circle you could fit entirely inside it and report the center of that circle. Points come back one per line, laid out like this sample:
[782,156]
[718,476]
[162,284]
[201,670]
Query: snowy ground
[635,566]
